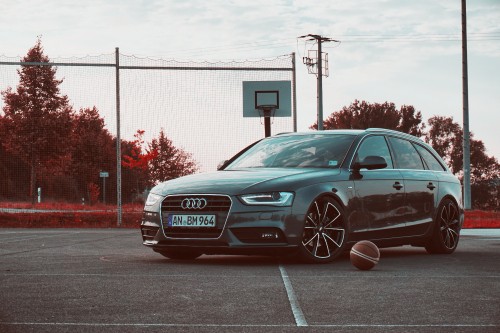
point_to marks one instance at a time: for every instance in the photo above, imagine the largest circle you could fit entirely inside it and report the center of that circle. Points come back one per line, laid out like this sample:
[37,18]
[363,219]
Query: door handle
[431,186]
[397,185]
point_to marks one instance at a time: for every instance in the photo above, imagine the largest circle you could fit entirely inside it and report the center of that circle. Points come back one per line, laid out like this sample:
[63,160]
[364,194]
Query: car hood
[244,181]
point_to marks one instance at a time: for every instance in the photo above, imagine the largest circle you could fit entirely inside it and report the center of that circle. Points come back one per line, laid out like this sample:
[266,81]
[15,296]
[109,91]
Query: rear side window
[405,154]
[429,159]
[374,146]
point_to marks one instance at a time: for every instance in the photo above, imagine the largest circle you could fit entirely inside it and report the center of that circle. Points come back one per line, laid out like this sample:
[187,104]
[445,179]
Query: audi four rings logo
[193,203]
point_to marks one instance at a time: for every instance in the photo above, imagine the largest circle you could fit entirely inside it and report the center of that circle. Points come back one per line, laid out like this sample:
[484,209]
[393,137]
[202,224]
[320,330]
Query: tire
[324,235]
[446,229]
[180,255]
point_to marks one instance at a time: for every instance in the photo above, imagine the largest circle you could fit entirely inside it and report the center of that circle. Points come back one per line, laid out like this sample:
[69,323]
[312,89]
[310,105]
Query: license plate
[198,221]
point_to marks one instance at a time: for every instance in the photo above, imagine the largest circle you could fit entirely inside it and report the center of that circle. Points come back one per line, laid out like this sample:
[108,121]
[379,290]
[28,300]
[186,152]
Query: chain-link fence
[198,106]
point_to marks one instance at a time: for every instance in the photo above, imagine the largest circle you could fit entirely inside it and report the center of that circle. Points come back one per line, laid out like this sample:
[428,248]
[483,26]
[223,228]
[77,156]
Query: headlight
[152,199]
[270,199]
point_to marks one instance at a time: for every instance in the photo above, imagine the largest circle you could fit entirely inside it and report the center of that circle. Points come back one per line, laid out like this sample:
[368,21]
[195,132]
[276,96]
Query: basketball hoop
[267,111]
[267,99]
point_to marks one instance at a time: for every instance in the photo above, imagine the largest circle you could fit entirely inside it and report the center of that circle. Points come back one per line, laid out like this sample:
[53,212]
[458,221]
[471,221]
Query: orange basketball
[364,255]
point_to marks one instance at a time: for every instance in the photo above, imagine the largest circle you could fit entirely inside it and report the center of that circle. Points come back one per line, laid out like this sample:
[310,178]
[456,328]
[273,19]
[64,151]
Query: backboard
[274,94]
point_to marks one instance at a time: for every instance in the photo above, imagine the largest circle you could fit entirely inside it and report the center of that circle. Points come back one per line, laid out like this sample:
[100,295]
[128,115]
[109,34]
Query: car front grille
[218,205]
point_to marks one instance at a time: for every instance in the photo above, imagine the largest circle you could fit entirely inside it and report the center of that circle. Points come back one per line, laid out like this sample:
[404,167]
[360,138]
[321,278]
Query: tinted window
[374,146]
[405,154]
[429,159]
[298,151]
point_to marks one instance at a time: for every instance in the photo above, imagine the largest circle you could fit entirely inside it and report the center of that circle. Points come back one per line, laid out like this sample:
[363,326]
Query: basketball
[364,255]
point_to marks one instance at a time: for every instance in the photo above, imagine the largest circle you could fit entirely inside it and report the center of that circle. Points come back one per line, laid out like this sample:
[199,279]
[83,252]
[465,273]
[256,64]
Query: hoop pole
[267,111]
[267,123]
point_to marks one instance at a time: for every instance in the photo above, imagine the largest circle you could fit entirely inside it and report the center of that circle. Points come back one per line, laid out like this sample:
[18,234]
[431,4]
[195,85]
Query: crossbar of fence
[73,64]
[179,68]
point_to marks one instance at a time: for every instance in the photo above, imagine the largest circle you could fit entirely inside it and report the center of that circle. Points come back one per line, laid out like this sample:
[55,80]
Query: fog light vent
[269,235]
[259,235]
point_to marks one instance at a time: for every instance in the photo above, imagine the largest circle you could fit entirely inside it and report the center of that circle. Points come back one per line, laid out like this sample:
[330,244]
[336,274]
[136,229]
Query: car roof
[336,131]
[357,132]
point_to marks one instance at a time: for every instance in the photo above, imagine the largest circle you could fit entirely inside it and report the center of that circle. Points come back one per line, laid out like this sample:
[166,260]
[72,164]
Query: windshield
[300,151]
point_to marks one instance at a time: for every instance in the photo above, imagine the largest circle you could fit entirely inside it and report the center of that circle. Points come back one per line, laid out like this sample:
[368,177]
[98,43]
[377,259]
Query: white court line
[245,325]
[292,298]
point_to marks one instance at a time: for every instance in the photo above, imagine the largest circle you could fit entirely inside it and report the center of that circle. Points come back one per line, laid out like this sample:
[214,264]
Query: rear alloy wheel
[180,255]
[446,229]
[324,235]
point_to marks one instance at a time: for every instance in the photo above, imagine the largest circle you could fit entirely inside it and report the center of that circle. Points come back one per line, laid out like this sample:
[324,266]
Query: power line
[346,38]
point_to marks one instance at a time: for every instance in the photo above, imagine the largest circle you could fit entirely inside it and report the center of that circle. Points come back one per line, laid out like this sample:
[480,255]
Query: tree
[136,160]
[170,162]
[13,170]
[446,136]
[362,115]
[37,117]
[93,150]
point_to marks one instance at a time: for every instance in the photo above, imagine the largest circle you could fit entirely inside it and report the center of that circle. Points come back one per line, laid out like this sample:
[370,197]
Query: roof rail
[375,130]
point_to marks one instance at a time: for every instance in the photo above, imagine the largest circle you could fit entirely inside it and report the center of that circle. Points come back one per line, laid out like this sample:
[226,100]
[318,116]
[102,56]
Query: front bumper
[260,230]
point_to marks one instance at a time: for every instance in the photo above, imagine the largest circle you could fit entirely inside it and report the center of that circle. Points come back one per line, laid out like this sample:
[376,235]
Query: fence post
[294,93]
[118,143]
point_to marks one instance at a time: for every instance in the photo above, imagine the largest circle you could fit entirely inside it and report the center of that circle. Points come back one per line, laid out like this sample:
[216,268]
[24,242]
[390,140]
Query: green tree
[37,117]
[362,115]
[169,162]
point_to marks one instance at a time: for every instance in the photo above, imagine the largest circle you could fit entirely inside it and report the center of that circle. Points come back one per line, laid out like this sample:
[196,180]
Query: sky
[402,51]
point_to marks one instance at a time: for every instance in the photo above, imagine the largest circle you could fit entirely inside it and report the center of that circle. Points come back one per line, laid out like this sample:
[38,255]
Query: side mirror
[371,163]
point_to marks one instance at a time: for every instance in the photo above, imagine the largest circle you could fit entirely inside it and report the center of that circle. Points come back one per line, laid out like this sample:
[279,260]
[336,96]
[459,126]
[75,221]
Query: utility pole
[320,86]
[465,92]
[320,72]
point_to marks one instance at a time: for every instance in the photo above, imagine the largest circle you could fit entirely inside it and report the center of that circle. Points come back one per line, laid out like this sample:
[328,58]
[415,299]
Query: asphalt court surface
[104,280]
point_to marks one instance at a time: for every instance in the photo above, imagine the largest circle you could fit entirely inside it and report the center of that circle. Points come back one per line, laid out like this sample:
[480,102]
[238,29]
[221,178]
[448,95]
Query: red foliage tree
[94,193]
[362,115]
[169,162]
[93,149]
[136,161]
[37,117]
[446,136]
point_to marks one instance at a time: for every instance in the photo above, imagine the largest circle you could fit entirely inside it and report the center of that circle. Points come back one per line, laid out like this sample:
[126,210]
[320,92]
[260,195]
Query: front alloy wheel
[447,229]
[324,234]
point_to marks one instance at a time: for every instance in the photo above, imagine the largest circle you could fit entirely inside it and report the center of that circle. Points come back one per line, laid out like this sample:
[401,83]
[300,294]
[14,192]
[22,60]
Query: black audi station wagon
[311,195]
